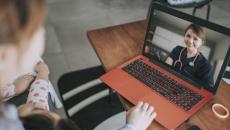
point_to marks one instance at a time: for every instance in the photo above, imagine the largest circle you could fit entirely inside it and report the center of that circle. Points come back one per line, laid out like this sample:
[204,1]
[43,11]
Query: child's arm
[39,89]
[17,87]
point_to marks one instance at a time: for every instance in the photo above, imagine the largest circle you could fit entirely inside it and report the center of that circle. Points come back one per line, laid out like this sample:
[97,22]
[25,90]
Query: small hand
[41,67]
[43,71]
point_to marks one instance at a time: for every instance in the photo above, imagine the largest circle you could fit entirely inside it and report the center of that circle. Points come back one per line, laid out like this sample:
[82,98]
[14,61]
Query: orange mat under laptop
[175,94]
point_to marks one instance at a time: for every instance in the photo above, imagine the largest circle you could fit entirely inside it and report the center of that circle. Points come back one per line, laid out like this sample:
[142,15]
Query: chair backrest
[227,73]
[187,3]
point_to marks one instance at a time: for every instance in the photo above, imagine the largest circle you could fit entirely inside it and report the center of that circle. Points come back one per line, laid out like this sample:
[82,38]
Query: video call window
[193,51]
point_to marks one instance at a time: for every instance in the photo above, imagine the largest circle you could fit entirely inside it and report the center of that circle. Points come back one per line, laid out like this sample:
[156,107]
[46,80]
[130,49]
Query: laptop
[147,77]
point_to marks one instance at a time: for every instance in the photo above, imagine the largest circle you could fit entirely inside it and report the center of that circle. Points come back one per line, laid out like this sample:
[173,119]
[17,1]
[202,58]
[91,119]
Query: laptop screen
[191,48]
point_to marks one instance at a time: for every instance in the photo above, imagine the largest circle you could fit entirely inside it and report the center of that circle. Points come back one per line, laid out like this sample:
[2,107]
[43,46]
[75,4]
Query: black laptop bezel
[213,26]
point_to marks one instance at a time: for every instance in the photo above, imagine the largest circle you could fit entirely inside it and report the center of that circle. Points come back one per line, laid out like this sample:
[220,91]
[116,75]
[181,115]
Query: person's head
[194,36]
[32,118]
[21,36]
[29,109]
[34,121]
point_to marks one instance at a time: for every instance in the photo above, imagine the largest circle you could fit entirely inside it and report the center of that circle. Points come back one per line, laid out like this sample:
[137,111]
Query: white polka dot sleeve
[7,91]
[38,94]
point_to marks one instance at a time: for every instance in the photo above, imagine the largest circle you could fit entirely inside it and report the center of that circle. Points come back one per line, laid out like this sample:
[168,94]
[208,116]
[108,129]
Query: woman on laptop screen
[188,60]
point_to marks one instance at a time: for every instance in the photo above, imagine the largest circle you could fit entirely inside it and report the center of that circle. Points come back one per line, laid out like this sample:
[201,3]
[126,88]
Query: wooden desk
[117,44]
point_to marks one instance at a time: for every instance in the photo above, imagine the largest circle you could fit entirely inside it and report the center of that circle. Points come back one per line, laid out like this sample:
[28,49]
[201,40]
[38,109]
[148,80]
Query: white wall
[219,54]
[221,48]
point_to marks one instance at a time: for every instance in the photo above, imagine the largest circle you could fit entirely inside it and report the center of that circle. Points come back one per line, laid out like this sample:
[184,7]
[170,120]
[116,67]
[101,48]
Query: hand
[141,115]
[43,71]
[147,50]
[22,83]
[41,67]
[26,109]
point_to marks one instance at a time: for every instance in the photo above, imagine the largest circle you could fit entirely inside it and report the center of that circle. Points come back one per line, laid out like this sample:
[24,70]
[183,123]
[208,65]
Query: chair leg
[110,95]
[194,11]
[208,12]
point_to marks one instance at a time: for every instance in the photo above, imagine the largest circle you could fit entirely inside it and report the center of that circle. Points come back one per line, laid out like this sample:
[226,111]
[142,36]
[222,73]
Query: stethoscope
[179,62]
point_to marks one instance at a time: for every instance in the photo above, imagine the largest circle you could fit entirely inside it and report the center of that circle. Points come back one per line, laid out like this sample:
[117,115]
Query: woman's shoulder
[178,48]
[202,57]
[204,61]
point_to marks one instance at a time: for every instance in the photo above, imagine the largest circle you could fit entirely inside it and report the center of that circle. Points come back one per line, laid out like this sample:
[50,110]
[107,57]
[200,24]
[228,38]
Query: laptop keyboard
[164,85]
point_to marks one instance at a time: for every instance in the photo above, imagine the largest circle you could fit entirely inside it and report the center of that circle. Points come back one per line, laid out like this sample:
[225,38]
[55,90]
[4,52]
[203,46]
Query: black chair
[88,101]
[187,4]
[227,73]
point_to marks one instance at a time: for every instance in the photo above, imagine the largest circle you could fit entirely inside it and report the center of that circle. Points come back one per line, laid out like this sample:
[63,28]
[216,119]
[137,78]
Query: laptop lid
[166,37]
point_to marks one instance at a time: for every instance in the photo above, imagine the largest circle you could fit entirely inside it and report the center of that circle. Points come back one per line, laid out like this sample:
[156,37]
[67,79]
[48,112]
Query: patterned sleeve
[38,94]
[7,91]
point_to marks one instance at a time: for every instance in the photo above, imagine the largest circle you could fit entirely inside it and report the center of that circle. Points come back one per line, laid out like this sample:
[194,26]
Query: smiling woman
[188,60]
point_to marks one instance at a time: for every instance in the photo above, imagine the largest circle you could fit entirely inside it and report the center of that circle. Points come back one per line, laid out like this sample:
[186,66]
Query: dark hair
[41,122]
[19,19]
[198,31]
[66,124]
[37,122]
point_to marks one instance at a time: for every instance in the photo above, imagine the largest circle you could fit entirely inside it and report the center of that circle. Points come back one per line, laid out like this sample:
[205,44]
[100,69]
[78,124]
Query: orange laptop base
[169,115]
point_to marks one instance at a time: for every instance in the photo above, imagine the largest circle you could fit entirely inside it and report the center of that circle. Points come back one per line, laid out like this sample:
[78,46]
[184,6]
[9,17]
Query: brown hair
[19,19]
[198,31]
